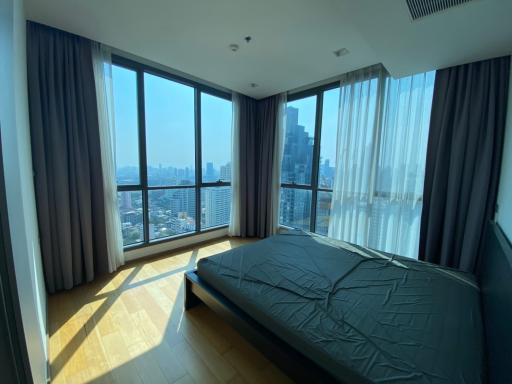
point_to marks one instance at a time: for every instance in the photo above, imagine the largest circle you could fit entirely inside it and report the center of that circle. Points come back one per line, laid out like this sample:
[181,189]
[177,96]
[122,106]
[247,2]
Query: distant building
[216,206]
[209,174]
[129,217]
[295,208]
[126,200]
[298,150]
[225,172]
[296,168]
[183,201]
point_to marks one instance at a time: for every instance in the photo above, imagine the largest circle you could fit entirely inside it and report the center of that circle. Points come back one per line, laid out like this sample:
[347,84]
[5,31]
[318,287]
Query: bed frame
[495,278]
[297,366]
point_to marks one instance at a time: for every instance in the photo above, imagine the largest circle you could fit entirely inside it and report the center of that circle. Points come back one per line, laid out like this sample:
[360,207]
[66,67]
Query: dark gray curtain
[66,157]
[266,122]
[463,161]
[248,166]
[258,132]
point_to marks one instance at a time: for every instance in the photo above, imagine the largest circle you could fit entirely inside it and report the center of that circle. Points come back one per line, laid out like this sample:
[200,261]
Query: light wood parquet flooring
[130,327]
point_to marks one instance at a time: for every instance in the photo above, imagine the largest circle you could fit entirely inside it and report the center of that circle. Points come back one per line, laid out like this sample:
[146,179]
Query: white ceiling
[293,40]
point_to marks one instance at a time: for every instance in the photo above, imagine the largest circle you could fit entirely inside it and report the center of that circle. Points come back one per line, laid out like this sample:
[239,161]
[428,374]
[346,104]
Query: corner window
[173,154]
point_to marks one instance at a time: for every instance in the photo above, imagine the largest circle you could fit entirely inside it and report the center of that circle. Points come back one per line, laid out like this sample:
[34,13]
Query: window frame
[313,187]
[140,69]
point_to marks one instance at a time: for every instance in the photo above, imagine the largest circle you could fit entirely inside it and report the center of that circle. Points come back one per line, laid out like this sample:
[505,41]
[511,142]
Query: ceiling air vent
[422,8]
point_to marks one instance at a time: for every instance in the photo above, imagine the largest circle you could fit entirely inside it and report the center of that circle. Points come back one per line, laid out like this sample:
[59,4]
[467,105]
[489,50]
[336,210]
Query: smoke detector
[341,52]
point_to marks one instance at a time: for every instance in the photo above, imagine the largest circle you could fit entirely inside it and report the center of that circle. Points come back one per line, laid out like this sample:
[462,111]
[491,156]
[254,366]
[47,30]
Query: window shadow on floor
[131,328]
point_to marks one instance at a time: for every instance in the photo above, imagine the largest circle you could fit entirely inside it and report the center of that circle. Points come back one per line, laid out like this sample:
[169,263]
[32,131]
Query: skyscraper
[296,169]
[225,172]
[216,204]
[298,150]
[209,174]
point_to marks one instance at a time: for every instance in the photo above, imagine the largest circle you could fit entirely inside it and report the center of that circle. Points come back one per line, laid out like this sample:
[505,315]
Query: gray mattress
[362,315]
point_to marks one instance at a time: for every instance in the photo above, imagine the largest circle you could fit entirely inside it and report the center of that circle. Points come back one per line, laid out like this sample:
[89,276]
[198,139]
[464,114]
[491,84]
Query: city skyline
[172,211]
[170,150]
[129,175]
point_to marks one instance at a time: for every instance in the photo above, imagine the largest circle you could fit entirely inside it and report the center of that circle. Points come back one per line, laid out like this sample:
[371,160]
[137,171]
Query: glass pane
[298,141]
[295,209]
[216,121]
[171,212]
[328,138]
[130,211]
[215,206]
[323,211]
[124,85]
[170,132]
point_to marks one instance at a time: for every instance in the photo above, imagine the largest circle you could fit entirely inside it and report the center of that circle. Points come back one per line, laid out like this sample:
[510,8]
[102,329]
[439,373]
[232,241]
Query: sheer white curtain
[382,139]
[102,64]
[234,221]
[276,165]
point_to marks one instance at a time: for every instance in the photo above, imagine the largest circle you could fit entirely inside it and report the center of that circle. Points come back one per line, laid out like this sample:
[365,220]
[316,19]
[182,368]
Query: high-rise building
[225,172]
[209,174]
[216,206]
[183,200]
[126,200]
[298,150]
[296,168]
[295,208]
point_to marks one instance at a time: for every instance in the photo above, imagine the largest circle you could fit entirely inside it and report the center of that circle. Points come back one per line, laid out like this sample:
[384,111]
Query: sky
[329,125]
[169,109]
[169,112]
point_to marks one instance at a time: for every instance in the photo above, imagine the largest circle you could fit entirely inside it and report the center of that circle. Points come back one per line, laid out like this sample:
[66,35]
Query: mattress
[362,315]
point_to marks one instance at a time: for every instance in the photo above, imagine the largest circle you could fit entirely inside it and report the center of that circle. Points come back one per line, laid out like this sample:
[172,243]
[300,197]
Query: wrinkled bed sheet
[362,315]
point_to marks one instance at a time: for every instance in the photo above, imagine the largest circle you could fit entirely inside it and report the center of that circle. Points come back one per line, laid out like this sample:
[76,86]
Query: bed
[329,311]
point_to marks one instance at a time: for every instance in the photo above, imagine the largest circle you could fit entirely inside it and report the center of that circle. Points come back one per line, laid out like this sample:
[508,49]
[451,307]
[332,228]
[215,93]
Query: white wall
[15,137]
[504,214]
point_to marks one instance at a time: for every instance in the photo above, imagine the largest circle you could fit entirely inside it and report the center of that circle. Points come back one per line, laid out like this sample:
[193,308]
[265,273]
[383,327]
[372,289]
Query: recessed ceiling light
[340,52]
[233,47]
[247,39]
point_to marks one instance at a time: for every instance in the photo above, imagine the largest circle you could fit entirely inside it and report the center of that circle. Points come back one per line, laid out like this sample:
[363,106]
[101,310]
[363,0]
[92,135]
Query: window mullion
[142,152]
[297,186]
[316,159]
[122,187]
[199,171]
[381,95]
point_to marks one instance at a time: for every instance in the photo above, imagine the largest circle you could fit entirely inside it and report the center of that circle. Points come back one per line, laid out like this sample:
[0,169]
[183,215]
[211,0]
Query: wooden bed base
[297,366]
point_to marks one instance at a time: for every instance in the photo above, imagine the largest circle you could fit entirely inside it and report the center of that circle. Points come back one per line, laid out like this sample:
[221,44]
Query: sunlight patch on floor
[131,328]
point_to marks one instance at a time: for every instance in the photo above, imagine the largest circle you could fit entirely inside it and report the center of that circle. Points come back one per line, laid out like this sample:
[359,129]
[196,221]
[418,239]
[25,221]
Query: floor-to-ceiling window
[327,159]
[173,154]
[383,131]
[216,123]
[307,169]
[297,176]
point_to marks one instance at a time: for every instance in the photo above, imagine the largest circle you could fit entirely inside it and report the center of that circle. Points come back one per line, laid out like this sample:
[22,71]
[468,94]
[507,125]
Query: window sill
[170,243]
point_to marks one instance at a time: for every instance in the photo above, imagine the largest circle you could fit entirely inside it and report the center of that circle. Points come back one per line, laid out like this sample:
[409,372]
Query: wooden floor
[131,328]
